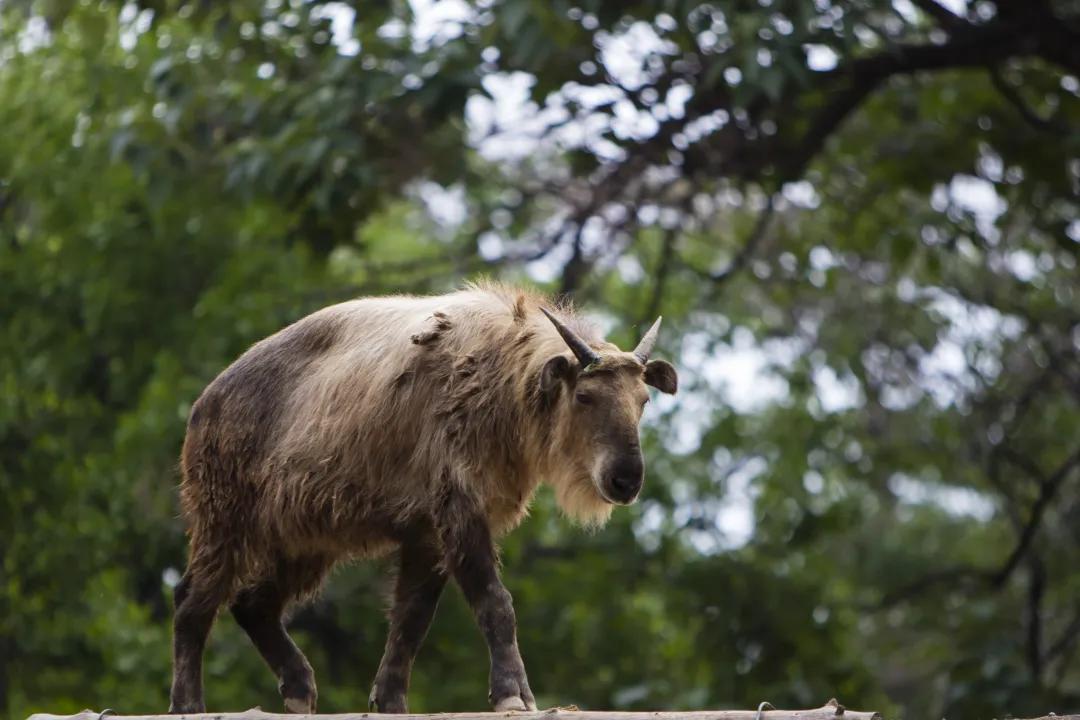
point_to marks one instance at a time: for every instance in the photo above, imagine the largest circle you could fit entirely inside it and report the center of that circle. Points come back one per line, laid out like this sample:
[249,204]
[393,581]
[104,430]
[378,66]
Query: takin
[421,425]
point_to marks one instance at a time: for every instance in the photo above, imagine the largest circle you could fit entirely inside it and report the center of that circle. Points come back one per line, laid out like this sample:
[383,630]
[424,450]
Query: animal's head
[599,397]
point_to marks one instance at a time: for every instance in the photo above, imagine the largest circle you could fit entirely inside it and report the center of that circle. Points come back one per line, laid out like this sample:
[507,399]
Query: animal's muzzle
[624,480]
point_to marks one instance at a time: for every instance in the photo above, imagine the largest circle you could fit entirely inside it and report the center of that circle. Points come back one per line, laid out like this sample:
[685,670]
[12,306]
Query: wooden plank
[830,711]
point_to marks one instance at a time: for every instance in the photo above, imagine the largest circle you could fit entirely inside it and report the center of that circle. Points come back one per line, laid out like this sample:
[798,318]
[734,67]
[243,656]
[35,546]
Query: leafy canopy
[858,219]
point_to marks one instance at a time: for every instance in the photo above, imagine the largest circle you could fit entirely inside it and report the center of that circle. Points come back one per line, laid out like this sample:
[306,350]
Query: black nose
[626,479]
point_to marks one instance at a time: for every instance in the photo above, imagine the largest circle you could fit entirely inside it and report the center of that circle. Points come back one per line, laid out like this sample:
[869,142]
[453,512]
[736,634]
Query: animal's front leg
[471,557]
[420,582]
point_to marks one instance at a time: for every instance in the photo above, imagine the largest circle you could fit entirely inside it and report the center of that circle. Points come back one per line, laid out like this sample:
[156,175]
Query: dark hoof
[186,708]
[298,690]
[510,692]
[512,703]
[388,703]
[303,706]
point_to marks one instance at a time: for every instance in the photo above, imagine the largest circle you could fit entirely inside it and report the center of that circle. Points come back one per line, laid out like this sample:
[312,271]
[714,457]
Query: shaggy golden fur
[327,438]
[424,423]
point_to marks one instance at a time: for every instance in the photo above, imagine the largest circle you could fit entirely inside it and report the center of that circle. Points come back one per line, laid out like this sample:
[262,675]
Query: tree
[858,219]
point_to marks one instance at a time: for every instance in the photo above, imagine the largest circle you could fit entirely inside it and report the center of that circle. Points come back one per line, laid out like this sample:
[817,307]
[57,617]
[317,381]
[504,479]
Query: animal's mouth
[612,501]
[603,495]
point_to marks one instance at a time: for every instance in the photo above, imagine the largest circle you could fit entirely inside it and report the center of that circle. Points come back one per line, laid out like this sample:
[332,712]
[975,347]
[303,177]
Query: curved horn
[644,348]
[585,354]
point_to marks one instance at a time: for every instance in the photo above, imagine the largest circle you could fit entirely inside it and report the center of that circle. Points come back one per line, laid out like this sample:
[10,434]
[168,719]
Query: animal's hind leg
[197,602]
[259,611]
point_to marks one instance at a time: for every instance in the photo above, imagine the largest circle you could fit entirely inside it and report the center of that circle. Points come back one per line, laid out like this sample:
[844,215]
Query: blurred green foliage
[178,180]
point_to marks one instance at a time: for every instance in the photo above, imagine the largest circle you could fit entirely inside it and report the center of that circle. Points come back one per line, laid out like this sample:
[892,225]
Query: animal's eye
[584,398]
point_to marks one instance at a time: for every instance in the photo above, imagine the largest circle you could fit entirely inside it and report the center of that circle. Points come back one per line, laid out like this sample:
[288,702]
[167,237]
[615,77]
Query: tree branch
[1036,592]
[1012,95]
[958,574]
[1065,639]
[980,46]
[663,269]
[945,17]
[757,233]
[995,578]
[1048,489]
[829,98]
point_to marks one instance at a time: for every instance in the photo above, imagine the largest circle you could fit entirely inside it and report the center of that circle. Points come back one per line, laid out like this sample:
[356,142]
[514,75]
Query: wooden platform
[830,711]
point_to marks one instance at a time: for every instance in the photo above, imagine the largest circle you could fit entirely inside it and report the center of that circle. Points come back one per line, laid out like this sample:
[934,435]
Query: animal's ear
[555,370]
[662,376]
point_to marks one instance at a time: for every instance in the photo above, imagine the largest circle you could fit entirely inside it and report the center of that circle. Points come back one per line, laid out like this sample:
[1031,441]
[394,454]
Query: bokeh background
[859,220]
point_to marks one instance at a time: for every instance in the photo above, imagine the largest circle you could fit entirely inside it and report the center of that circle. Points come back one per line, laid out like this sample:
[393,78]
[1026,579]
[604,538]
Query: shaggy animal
[416,424]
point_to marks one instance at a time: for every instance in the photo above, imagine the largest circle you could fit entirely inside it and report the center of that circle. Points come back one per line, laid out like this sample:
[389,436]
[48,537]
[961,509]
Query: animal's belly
[360,537]
[324,514]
